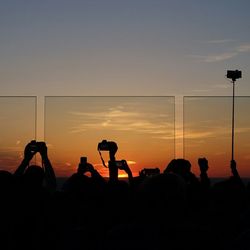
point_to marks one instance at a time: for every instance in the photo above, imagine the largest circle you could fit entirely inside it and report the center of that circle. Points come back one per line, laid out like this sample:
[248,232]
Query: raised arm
[127,169]
[28,155]
[49,174]
[204,180]
[94,173]
[234,170]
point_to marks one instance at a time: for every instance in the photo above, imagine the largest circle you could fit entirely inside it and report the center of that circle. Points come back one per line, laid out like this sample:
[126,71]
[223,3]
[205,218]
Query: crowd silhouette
[170,210]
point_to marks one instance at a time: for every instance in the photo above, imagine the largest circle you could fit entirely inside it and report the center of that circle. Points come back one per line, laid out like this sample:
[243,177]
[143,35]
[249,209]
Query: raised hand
[43,150]
[30,150]
[203,164]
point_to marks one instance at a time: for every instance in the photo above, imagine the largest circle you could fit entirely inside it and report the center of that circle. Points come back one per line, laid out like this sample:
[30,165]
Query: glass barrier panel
[142,127]
[18,127]
[208,133]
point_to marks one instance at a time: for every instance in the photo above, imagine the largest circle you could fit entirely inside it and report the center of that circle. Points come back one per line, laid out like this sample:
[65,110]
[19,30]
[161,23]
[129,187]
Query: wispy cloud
[221,86]
[243,48]
[214,132]
[220,57]
[119,119]
[242,130]
[199,135]
[111,113]
[211,58]
[210,88]
[215,57]
[219,41]
[201,90]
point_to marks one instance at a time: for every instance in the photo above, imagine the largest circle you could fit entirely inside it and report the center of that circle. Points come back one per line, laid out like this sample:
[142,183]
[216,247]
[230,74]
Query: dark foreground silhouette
[170,210]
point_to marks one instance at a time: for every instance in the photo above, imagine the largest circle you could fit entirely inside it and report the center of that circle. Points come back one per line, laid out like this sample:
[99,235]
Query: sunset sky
[17,126]
[168,48]
[142,127]
[207,132]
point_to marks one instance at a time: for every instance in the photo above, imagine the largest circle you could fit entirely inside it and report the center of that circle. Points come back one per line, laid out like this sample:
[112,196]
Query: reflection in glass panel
[17,126]
[208,133]
[143,128]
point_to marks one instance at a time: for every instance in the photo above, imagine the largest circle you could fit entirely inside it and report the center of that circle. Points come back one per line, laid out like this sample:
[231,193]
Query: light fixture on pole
[233,75]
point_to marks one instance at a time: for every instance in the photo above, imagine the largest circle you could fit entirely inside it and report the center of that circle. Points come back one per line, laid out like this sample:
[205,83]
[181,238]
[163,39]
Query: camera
[103,146]
[121,164]
[35,146]
[107,146]
[83,160]
[234,74]
[149,171]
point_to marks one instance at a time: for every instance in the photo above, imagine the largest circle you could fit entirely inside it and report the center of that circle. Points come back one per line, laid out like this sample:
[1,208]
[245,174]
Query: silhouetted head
[179,166]
[34,176]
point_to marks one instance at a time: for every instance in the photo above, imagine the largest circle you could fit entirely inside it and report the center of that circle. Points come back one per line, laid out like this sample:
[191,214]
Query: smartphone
[83,160]
[121,164]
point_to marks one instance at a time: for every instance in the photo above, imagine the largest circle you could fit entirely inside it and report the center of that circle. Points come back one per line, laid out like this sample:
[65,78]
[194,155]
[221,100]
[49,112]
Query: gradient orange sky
[143,128]
[208,132]
[17,126]
[124,48]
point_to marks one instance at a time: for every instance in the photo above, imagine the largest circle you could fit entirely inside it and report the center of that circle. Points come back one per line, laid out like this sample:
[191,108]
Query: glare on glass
[208,133]
[142,127]
[18,127]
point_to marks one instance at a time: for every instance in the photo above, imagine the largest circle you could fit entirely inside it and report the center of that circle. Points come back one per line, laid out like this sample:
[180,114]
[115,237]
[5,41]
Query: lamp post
[233,75]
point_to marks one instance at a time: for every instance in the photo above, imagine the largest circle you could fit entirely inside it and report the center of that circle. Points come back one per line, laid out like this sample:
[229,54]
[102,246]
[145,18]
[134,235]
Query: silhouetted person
[230,193]
[173,210]
[182,168]
[35,186]
[34,176]
[113,164]
[81,184]
[81,206]
[161,219]
[228,199]
[204,180]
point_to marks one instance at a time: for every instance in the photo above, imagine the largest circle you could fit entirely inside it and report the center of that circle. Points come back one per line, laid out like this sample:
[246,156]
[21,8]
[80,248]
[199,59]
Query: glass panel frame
[207,132]
[113,118]
[18,127]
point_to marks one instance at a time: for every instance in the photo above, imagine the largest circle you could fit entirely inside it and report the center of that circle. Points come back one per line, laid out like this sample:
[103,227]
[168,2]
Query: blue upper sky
[139,47]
